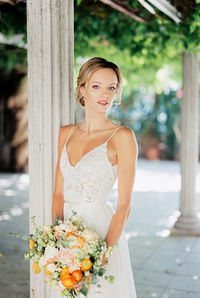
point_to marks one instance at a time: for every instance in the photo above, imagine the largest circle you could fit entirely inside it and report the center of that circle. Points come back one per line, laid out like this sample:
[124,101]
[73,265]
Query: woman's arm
[58,194]
[127,153]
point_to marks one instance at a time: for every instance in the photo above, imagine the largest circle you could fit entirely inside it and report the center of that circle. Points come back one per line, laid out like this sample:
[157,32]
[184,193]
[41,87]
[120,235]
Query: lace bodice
[92,178]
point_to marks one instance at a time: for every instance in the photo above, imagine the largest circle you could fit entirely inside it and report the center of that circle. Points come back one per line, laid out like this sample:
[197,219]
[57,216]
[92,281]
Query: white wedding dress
[87,187]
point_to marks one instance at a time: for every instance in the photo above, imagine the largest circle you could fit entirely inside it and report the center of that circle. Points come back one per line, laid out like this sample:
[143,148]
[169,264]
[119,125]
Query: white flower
[66,227]
[51,267]
[42,261]
[73,241]
[47,228]
[76,219]
[58,229]
[90,235]
[74,266]
[65,256]
[50,252]
[76,251]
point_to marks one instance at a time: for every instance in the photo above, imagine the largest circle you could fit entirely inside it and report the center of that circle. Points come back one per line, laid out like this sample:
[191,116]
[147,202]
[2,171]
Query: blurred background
[147,42]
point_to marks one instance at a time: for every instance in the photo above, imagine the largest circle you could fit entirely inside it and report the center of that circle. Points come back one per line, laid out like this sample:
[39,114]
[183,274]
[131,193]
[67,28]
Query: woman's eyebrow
[101,83]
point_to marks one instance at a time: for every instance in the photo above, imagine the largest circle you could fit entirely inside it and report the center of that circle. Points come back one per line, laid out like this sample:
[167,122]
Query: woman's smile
[103,102]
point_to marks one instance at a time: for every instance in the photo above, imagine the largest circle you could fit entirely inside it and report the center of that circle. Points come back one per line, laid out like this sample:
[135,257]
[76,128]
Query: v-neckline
[74,166]
[85,155]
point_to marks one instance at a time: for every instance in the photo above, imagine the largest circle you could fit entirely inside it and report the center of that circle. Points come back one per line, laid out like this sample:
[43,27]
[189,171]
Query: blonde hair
[88,68]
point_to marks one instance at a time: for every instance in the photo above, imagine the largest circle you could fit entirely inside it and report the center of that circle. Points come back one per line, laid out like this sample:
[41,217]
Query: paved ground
[163,266]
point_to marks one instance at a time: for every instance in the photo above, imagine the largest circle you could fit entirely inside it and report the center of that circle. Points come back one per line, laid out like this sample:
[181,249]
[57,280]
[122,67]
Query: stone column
[50,26]
[188,222]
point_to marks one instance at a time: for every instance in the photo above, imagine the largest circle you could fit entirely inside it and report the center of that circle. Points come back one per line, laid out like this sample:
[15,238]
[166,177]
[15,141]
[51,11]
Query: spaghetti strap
[114,133]
[69,134]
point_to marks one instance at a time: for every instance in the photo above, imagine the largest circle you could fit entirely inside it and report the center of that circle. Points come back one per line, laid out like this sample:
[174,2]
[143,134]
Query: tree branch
[124,10]
[12,2]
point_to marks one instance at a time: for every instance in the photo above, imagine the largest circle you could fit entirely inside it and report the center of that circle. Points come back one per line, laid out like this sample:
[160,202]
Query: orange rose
[77,274]
[69,282]
[81,240]
[86,264]
[70,234]
[64,273]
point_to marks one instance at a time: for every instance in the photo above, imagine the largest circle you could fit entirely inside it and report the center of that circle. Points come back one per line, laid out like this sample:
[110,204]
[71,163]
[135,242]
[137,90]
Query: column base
[187,226]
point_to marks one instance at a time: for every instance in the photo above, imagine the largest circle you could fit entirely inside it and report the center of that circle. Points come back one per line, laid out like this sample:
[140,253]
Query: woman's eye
[94,86]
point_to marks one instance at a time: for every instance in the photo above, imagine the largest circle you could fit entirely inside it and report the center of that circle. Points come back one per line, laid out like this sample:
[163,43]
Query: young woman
[91,155]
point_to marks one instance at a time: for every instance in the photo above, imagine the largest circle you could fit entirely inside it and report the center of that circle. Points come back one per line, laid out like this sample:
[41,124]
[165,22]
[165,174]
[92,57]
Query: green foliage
[84,290]
[140,50]
[13,22]
[98,26]
[18,235]
[56,219]
[12,56]
[101,22]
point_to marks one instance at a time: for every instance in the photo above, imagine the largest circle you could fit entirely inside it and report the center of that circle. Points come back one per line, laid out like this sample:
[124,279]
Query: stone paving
[164,266]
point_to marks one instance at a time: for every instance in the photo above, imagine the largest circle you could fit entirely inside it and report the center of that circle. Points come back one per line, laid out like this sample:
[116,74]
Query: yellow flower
[31,244]
[47,271]
[86,264]
[36,269]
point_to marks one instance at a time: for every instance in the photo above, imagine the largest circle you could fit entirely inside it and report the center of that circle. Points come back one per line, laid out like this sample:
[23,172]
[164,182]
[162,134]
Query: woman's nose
[105,95]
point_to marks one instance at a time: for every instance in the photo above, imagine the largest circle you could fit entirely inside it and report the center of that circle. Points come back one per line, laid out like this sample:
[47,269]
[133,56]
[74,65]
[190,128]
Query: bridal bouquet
[70,254]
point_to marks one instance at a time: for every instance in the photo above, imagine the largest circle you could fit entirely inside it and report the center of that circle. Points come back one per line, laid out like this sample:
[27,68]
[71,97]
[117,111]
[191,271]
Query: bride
[91,156]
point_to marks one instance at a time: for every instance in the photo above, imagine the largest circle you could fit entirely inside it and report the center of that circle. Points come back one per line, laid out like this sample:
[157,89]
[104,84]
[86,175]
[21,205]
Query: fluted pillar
[188,222]
[50,26]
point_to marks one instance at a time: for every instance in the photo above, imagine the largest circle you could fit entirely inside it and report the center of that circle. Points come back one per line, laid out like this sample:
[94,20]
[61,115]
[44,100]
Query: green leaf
[84,290]
[79,2]
[18,235]
[101,271]
[94,280]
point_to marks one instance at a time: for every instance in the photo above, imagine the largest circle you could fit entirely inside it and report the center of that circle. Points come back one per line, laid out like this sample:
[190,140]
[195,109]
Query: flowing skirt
[98,217]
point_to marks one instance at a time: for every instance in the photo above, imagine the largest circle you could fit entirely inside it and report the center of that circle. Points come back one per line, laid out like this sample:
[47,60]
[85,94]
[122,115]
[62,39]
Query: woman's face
[100,89]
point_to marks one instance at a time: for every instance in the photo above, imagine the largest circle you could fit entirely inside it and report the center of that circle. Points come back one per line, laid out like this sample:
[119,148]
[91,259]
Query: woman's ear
[82,90]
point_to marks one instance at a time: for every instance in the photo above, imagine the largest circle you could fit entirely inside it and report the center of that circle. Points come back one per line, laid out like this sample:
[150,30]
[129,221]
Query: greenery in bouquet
[70,254]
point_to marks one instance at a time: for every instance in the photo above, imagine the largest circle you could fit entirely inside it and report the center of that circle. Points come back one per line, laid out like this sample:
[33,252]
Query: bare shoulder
[126,133]
[125,139]
[62,135]
[64,131]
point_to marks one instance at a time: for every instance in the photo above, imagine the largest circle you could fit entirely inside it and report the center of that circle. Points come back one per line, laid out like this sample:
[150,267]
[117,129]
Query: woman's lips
[102,102]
